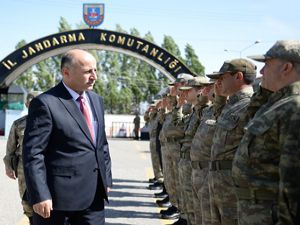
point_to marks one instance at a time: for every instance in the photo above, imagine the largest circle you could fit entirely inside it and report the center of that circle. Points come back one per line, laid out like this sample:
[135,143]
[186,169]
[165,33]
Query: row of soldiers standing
[225,154]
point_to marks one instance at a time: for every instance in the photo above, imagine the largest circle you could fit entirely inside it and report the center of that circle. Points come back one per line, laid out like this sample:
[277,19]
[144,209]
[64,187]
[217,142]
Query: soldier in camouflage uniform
[200,154]
[137,123]
[13,158]
[165,120]
[190,125]
[173,135]
[147,115]
[153,123]
[266,167]
[236,77]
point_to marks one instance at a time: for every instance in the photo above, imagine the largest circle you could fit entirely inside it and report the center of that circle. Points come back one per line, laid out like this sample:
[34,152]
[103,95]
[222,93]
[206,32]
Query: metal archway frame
[20,60]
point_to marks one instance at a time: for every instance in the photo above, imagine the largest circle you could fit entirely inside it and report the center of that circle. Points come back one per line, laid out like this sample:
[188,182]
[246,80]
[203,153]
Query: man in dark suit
[66,157]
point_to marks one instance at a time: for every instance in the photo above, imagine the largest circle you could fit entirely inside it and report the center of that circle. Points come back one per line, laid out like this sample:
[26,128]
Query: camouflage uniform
[266,167]
[153,123]
[185,170]
[174,134]
[186,111]
[225,142]
[14,149]
[167,162]
[147,117]
[136,121]
[200,155]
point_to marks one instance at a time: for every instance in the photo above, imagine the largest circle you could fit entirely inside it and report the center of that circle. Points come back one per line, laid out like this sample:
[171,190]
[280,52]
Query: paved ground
[131,203]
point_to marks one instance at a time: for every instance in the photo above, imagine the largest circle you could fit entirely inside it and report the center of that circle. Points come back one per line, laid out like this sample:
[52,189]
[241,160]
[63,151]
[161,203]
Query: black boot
[170,213]
[162,194]
[164,203]
[156,186]
[181,221]
[152,180]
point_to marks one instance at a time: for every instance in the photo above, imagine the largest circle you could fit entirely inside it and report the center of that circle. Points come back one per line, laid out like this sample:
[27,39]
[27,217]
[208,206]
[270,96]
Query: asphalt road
[130,202]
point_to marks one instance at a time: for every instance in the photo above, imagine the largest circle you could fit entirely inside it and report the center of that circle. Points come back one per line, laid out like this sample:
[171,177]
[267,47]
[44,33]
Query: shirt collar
[246,92]
[291,89]
[73,93]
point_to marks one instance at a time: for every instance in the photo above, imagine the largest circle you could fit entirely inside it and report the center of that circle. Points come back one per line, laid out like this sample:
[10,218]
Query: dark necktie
[85,112]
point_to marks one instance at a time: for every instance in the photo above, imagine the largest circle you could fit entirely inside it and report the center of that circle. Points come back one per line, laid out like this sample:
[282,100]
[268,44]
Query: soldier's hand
[10,173]
[181,99]
[217,88]
[43,208]
[108,189]
[173,91]
[205,91]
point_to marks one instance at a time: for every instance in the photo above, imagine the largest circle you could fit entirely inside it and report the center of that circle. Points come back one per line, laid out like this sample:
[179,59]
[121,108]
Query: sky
[209,26]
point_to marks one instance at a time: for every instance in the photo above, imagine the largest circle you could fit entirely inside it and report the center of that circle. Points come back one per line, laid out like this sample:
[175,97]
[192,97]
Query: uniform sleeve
[289,171]
[202,102]
[219,104]
[146,117]
[11,146]
[258,99]
[36,138]
[177,115]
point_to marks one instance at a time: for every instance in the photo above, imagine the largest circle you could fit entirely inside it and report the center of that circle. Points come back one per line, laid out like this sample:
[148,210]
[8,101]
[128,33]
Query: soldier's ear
[239,76]
[288,67]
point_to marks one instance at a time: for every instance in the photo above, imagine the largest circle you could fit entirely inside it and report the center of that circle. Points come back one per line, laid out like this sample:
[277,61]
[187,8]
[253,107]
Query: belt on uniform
[220,165]
[186,140]
[172,139]
[256,194]
[200,164]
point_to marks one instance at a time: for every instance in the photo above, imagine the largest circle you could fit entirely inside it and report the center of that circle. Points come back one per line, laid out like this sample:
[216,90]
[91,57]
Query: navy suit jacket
[60,160]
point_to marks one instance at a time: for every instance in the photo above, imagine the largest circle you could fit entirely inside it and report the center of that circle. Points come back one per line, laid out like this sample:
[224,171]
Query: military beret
[196,82]
[183,77]
[287,50]
[234,66]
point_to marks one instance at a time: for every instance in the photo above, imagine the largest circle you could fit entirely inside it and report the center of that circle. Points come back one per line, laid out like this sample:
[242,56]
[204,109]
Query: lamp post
[242,50]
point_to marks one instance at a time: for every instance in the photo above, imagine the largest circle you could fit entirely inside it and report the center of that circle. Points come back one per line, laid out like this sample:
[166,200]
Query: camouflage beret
[183,77]
[287,50]
[234,66]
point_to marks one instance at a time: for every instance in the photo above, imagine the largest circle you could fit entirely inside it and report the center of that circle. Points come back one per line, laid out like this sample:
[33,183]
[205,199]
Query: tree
[64,25]
[192,61]
[111,96]
[40,76]
[170,45]
[45,73]
[26,78]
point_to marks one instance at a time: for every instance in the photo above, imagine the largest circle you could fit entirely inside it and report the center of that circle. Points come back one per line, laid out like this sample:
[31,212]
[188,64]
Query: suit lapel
[74,111]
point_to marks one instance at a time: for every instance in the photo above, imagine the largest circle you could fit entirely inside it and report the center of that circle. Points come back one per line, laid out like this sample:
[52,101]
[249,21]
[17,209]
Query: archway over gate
[20,60]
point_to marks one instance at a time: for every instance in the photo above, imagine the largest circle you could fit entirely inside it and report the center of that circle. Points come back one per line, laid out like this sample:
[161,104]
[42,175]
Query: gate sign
[23,58]
[93,14]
